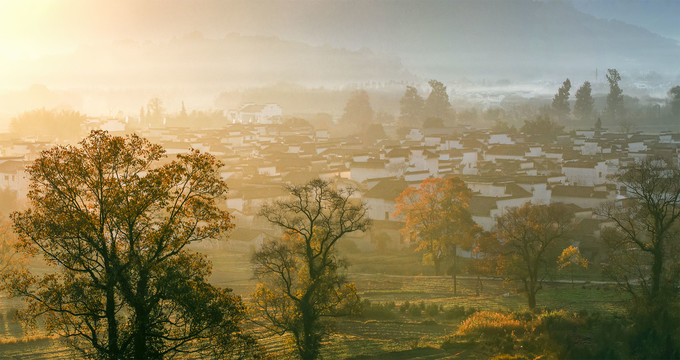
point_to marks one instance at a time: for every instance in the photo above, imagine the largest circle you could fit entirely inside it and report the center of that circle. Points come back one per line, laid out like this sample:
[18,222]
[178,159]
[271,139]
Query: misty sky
[150,47]
[30,28]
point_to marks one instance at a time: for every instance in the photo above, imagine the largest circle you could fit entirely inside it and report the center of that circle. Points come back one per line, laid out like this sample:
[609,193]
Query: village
[261,152]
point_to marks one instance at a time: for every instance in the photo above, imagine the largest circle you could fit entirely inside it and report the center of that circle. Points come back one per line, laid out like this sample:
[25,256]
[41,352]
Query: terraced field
[403,335]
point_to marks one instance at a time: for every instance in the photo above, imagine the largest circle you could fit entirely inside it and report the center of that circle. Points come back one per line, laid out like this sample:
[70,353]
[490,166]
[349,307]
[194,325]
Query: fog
[106,57]
[339,179]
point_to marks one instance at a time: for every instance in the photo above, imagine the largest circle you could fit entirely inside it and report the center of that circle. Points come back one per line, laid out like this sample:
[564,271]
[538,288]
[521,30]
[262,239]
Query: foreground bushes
[389,310]
[551,334]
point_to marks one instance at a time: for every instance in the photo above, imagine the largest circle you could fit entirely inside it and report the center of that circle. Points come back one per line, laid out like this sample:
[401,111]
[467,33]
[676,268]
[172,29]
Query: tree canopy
[113,218]
[437,104]
[615,97]
[301,284]
[530,239]
[412,107]
[437,218]
[674,94]
[358,111]
[560,103]
[583,107]
[64,125]
[542,129]
[645,235]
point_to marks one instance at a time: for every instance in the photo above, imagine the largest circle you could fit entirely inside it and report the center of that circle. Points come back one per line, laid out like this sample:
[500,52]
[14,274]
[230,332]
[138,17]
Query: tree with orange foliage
[530,239]
[571,259]
[437,219]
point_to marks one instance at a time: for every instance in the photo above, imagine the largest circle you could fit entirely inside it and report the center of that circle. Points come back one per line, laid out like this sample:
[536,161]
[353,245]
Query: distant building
[256,114]
[13,176]
[110,125]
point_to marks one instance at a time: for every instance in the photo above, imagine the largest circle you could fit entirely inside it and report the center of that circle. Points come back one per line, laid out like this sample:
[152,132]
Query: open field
[423,313]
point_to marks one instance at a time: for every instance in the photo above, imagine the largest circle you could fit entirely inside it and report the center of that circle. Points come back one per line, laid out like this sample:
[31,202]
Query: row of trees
[614,110]
[584,109]
[414,110]
[528,241]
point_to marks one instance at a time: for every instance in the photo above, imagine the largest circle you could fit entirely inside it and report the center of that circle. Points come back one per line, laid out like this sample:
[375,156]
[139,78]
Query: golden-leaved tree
[530,240]
[438,219]
[113,218]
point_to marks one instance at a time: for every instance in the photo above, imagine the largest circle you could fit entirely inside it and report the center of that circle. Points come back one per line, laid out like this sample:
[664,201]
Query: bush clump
[377,311]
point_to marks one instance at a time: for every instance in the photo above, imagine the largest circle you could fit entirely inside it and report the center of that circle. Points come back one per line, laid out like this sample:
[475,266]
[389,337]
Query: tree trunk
[437,265]
[657,267]
[114,352]
[454,270]
[141,326]
[532,299]
[309,349]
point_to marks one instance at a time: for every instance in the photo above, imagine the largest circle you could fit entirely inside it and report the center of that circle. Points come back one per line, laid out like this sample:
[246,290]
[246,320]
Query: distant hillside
[470,38]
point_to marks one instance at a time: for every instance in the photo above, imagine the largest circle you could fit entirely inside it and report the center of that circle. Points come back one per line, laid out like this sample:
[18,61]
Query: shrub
[377,311]
[403,308]
[432,310]
[487,323]
[510,357]
[457,311]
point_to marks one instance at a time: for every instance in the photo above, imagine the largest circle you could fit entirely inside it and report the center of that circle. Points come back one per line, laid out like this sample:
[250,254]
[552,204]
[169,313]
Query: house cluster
[502,170]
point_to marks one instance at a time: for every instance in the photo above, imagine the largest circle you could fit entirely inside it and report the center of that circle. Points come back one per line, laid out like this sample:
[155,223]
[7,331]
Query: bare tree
[300,279]
[646,232]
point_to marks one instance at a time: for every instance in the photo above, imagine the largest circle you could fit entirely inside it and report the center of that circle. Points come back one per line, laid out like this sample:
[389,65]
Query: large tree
[113,218]
[531,239]
[560,103]
[301,284]
[358,111]
[412,107]
[674,95]
[647,231]
[437,104]
[615,97]
[583,107]
[542,129]
[437,218]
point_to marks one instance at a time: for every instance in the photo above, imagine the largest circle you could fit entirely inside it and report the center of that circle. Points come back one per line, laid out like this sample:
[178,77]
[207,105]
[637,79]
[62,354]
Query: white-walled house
[500,139]
[380,199]
[585,173]
[256,114]
[13,176]
[372,169]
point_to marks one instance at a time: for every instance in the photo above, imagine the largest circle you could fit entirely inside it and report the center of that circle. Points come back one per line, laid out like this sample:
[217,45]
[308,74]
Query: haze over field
[339,179]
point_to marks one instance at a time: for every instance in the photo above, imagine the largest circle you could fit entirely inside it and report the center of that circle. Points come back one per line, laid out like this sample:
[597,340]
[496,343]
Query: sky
[31,28]
[72,44]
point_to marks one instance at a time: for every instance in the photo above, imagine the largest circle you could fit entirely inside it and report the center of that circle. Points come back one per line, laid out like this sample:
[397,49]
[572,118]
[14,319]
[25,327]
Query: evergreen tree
[615,96]
[560,103]
[437,104]
[412,106]
[674,94]
[358,110]
[583,107]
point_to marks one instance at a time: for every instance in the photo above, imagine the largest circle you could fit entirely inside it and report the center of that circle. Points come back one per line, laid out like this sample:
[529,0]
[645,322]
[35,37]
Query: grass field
[396,335]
